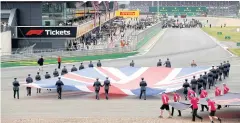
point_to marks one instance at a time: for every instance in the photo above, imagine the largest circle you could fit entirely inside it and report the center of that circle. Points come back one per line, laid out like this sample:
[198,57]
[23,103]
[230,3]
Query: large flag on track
[125,80]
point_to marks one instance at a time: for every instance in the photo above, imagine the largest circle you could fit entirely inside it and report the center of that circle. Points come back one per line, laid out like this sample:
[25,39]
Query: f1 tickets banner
[127,14]
[47,32]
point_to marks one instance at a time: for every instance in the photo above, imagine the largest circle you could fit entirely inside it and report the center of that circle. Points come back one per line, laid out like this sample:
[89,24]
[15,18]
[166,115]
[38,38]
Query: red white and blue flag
[125,81]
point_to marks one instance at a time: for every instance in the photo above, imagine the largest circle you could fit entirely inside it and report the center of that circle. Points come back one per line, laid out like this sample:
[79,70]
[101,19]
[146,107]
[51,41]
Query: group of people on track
[189,89]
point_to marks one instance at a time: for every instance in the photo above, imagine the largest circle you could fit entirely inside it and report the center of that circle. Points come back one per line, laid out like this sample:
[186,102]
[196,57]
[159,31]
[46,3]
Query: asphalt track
[179,45]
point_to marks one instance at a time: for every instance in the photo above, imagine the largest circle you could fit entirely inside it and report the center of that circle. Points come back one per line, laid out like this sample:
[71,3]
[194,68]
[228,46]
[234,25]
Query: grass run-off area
[226,31]
[67,59]
[235,51]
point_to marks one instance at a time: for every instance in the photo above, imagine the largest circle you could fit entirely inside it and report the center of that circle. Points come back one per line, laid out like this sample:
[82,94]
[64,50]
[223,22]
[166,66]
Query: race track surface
[179,45]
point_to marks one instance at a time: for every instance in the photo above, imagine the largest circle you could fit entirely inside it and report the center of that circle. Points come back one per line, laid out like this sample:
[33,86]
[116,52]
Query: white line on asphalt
[153,43]
[218,43]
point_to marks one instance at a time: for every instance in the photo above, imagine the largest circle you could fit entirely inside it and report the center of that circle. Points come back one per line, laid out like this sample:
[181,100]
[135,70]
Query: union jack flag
[125,81]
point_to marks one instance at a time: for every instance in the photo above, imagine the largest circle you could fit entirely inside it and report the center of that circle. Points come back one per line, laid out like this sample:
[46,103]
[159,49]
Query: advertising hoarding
[46,32]
[127,14]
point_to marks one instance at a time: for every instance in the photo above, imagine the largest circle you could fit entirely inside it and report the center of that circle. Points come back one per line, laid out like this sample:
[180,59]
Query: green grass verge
[67,59]
[235,51]
[226,31]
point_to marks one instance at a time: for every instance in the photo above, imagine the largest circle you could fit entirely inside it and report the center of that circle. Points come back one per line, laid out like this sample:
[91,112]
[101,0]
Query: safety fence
[136,40]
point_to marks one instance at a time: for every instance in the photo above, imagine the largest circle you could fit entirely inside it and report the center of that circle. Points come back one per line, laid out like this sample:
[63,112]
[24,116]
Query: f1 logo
[34,32]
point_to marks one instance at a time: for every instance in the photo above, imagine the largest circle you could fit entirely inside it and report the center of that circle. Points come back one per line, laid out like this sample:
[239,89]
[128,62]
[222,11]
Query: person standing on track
[99,64]
[225,70]
[225,89]
[217,73]
[90,65]
[132,64]
[200,82]
[165,105]
[218,93]
[97,86]
[15,88]
[194,102]
[213,70]
[203,94]
[55,73]
[73,69]
[191,93]
[210,79]
[81,66]
[29,80]
[143,85]
[106,85]
[167,63]
[159,64]
[186,85]
[40,63]
[38,78]
[194,84]
[64,71]
[220,71]
[205,77]
[228,65]
[59,62]
[212,110]
[59,85]
[176,98]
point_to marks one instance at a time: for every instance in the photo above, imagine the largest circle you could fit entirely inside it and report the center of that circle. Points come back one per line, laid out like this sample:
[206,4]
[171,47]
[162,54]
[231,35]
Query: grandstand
[215,8]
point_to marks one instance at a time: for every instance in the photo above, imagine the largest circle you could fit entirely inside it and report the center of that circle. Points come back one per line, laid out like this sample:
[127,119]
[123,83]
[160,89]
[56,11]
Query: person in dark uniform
[97,86]
[210,79]
[186,85]
[59,85]
[200,82]
[47,76]
[132,64]
[229,65]
[217,72]
[55,73]
[143,86]
[29,80]
[159,63]
[205,77]
[38,78]
[194,84]
[225,69]
[81,66]
[214,74]
[73,68]
[220,71]
[40,63]
[99,64]
[106,85]
[15,88]
[90,64]
[64,70]
[167,63]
